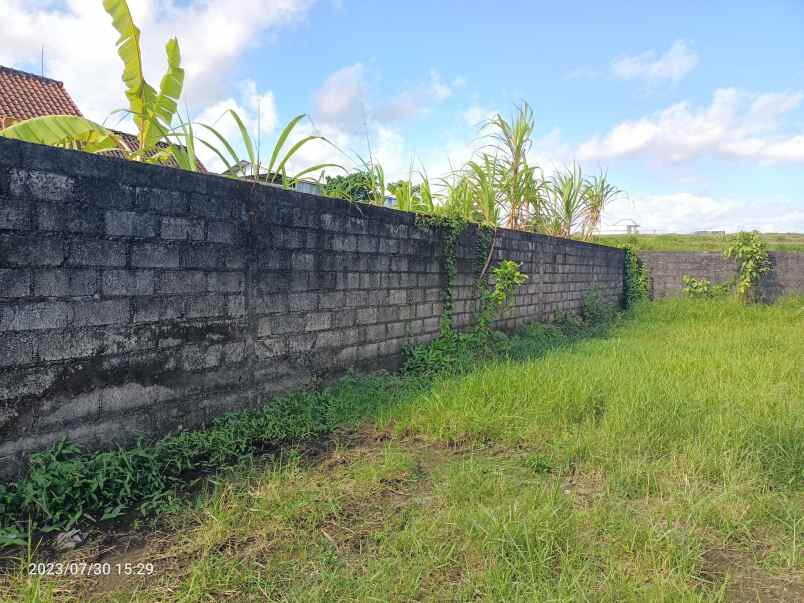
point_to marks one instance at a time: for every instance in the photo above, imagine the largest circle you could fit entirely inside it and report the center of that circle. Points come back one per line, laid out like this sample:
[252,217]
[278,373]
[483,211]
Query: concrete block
[222,232]
[15,215]
[183,229]
[318,321]
[60,282]
[155,309]
[131,224]
[154,255]
[128,282]
[17,349]
[107,312]
[181,282]
[206,306]
[68,218]
[40,186]
[15,283]
[86,252]
[225,282]
[35,316]
[30,252]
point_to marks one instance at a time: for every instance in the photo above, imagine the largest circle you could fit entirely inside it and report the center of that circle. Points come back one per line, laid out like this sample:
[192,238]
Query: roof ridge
[31,75]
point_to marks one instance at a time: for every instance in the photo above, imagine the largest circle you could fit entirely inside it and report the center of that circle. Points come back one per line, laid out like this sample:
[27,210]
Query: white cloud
[438,88]
[673,64]
[476,115]
[417,99]
[79,43]
[344,99]
[258,113]
[682,212]
[341,99]
[348,115]
[735,125]
[459,82]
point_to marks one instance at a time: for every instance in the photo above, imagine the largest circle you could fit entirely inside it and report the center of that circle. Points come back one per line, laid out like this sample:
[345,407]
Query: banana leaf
[141,95]
[166,103]
[68,131]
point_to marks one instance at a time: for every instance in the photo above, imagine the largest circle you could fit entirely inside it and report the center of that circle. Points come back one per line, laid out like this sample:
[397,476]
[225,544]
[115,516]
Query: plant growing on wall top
[152,111]
[251,167]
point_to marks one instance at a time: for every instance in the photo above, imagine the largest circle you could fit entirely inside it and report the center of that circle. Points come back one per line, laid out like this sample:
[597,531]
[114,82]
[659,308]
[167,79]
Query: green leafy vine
[636,279]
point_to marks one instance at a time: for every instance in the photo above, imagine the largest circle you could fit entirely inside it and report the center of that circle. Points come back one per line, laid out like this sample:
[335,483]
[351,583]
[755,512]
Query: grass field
[664,462]
[681,242]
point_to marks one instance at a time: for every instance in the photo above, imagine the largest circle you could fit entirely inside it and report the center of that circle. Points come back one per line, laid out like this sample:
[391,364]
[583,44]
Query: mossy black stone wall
[137,300]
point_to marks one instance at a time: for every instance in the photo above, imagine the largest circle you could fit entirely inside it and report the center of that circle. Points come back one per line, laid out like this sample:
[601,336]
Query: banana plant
[153,112]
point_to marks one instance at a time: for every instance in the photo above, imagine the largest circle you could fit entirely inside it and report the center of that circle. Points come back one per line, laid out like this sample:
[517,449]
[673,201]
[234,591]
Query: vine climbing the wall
[451,228]
[493,293]
[636,280]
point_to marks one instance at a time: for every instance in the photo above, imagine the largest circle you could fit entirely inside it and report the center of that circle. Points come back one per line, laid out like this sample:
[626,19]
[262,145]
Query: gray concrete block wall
[667,269]
[137,300]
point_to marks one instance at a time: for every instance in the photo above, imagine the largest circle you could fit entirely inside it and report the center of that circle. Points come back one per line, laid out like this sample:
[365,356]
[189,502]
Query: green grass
[664,462]
[681,242]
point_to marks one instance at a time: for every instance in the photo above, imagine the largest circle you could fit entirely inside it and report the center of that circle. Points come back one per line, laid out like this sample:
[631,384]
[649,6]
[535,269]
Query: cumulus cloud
[349,113]
[79,43]
[684,212]
[673,64]
[416,99]
[341,98]
[735,125]
[256,109]
[475,115]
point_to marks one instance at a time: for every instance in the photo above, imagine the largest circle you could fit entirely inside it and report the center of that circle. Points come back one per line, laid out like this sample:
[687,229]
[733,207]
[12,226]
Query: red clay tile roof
[25,95]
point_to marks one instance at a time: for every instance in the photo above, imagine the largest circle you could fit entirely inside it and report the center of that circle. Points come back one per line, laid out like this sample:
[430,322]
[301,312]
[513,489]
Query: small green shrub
[493,300]
[449,351]
[751,253]
[702,288]
[594,310]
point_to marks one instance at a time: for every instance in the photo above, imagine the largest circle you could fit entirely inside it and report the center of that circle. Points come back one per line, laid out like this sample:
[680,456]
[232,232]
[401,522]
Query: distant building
[243,169]
[26,95]
[710,232]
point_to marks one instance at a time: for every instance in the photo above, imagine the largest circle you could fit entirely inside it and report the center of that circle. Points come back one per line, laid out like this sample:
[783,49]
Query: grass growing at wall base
[661,463]
[66,487]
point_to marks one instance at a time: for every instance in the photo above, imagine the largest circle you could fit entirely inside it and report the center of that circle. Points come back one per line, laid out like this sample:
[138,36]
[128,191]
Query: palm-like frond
[67,131]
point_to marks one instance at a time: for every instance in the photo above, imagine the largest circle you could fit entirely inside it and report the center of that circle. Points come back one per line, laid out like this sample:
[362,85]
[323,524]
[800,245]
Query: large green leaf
[281,142]
[166,103]
[69,131]
[141,96]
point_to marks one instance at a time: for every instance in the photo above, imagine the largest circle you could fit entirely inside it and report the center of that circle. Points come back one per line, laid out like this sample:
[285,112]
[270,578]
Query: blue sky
[695,109]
